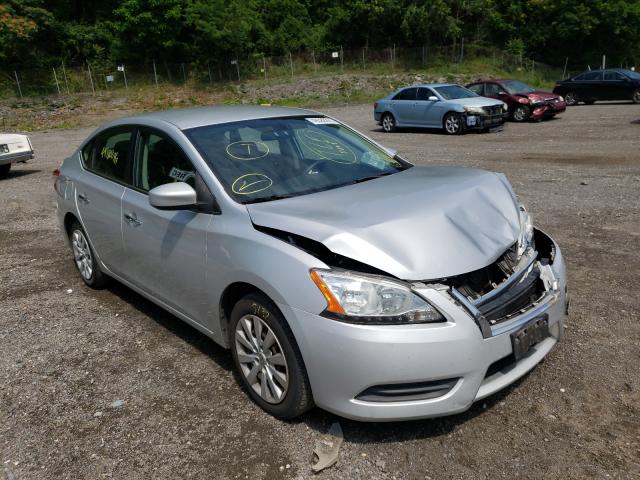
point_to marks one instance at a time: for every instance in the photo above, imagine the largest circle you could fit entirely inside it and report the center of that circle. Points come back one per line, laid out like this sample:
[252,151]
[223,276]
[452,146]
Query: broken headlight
[359,298]
[474,110]
[526,230]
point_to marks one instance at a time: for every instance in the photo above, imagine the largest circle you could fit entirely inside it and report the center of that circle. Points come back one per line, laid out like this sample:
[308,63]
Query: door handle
[83,197]
[132,219]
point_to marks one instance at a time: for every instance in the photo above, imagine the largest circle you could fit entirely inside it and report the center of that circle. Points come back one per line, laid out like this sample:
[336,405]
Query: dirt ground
[67,353]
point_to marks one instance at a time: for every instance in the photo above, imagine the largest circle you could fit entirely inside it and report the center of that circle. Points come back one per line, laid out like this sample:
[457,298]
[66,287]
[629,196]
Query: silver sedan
[336,272]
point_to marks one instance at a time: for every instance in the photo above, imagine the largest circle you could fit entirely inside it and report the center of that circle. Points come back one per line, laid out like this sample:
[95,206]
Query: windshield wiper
[370,177]
[272,197]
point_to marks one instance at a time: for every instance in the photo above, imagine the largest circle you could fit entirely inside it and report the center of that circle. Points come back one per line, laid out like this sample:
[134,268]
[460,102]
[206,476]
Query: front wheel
[85,259]
[571,98]
[521,113]
[452,123]
[267,358]
[388,123]
[4,170]
[636,96]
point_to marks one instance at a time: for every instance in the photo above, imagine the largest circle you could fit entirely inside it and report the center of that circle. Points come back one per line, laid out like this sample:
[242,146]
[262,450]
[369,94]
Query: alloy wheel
[388,123]
[452,124]
[570,98]
[261,358]
[636,96]
[520,113]
[82,254]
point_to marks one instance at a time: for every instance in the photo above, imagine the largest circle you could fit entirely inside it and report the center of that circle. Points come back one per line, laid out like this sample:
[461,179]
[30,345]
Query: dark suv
[610,84]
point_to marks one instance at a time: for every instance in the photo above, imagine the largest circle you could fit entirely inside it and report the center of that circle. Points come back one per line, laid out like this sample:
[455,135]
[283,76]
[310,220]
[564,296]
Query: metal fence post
[341,60]
[291,65]
[364,65]
[264,67]
[155,73]
[93,89]
[64,74]
[55,77]
[184,74]
[209,72]
[124,75]
[313,58]
[18,83]
[461,49]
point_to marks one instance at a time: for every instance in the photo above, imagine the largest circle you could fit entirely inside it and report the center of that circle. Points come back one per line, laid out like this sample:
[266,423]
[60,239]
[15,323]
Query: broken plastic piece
[327,448]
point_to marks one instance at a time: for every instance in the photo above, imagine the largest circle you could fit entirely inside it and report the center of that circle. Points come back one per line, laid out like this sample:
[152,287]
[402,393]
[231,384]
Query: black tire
[4,170]
[388,122]
[79,241]
[635,97]
[297,397]
[521,113]
[452,124]
[571,98]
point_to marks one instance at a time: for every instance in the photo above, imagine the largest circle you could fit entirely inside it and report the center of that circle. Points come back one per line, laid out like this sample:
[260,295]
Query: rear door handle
[132,219]
[83,197]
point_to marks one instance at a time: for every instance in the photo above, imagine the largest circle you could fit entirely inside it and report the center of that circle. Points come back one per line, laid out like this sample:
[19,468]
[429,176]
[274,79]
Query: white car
[13,148]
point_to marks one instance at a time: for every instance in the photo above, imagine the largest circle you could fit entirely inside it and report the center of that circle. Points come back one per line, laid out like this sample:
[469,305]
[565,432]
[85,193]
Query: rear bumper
[15,157]
[344,360]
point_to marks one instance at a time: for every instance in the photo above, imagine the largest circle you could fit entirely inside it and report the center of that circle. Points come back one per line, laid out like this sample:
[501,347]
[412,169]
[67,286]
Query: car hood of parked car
[476,101]
[420,224]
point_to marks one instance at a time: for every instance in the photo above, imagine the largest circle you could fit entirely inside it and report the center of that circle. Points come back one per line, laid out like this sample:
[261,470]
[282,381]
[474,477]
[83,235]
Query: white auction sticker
[322,121]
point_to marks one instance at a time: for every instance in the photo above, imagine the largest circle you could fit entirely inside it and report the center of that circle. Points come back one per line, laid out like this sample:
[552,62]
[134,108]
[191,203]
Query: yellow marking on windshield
[251,183]
[247,150]
[327,147]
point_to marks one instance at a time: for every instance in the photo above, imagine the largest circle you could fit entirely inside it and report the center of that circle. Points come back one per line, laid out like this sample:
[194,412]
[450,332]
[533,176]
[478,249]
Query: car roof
[185,118]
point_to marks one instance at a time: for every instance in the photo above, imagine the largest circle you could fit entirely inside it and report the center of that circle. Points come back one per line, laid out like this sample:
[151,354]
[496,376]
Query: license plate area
[530,334]
[4,148]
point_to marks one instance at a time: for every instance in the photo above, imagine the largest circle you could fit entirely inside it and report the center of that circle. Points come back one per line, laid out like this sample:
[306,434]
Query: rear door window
[613,76]
[592,76]
[477,88]
[110,156]
[407,94]
[492,89]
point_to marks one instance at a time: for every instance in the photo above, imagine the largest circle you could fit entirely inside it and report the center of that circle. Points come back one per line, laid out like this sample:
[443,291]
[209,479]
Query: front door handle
[83,197]
[132,219]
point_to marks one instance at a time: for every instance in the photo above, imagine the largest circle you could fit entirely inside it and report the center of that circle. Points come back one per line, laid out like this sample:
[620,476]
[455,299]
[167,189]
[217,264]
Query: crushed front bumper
[547,109]
[344,360]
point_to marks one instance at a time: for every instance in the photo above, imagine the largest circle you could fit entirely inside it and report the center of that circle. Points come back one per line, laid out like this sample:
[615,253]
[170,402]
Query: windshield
[632,74]
[514,86]
[451,92]
[267,159]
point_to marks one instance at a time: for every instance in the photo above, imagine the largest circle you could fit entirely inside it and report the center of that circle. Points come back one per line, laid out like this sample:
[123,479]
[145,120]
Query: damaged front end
[509,287]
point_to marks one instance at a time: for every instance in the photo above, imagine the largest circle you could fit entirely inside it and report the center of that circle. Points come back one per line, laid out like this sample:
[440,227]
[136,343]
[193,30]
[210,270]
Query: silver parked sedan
[453,108]
[337,273]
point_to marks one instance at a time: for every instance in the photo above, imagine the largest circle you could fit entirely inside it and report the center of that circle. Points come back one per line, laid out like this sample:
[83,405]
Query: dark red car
[524,102]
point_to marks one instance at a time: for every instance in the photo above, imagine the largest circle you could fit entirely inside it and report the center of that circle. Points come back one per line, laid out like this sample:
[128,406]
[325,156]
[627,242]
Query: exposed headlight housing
[504,107]
[358,298]
[474,110]
[526,230]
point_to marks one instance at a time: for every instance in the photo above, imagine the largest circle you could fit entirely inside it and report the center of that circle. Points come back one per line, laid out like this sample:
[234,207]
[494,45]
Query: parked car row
[593,85]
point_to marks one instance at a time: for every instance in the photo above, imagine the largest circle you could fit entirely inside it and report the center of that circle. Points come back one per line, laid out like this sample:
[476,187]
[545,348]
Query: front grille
[493,110]
[513,299]
[406,392]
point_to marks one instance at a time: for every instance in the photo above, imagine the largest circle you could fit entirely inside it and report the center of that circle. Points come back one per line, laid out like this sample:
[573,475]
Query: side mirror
[433,98]
[172,196]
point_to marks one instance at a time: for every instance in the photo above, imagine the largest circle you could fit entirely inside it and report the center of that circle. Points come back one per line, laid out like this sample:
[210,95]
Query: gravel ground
[103,384]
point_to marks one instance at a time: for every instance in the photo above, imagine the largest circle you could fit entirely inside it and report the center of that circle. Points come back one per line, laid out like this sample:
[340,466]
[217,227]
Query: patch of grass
[66,124]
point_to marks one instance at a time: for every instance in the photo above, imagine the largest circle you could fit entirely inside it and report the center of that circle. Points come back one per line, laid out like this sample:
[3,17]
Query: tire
[452,124]
[635,97]
[85,259]
[520,113]
[388,123]
[4,170]
[256,317]
[571,98]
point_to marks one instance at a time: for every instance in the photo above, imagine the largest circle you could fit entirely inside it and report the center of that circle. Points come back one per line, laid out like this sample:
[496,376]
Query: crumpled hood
[540,95]
[419,224]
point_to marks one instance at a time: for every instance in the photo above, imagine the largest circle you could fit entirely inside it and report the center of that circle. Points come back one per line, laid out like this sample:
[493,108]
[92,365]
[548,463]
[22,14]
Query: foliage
[44,32]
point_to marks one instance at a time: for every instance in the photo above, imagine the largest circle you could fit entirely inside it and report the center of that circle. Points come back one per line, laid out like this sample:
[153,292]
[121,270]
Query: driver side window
[492,89]
[160,161]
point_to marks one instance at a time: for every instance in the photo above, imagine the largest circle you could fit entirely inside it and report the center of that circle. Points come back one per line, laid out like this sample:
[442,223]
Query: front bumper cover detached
[402,372]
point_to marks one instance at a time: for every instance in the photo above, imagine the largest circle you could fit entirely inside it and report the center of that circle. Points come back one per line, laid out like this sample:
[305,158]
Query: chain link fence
[104,78]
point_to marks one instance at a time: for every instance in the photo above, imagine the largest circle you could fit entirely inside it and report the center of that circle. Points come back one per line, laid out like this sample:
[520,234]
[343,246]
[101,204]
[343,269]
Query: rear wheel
[636,96]
[388,123]
[571,98]
[4,170]
[85,259]
[521,113]
[452,123]
[267,358]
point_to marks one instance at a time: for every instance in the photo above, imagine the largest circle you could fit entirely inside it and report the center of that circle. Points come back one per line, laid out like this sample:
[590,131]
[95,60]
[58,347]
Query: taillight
[557,85]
